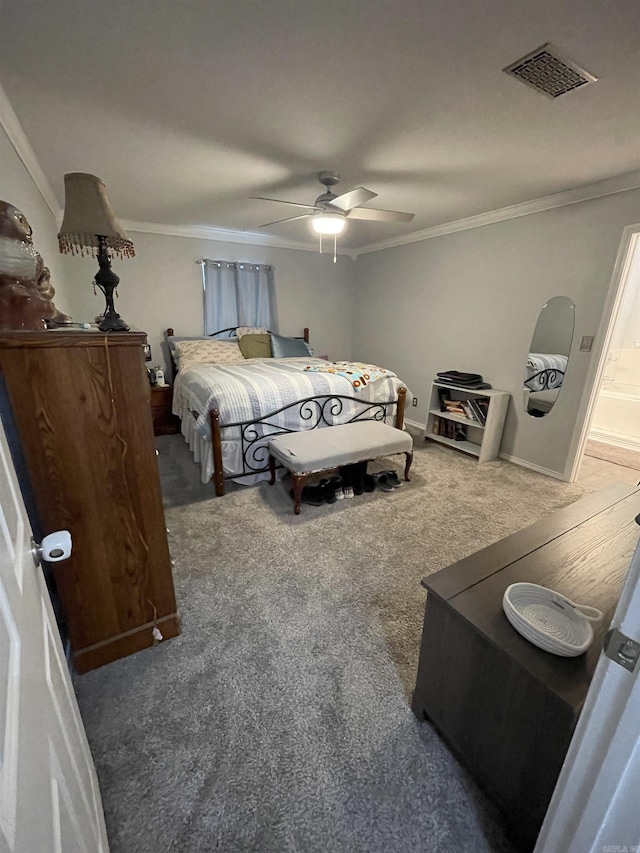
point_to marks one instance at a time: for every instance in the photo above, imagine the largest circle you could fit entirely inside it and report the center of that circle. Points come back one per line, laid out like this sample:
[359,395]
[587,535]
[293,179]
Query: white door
[49,795]
[596,804]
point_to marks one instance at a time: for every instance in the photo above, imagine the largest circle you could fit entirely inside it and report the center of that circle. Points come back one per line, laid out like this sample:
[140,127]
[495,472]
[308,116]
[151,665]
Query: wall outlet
[587,343]
[415,401]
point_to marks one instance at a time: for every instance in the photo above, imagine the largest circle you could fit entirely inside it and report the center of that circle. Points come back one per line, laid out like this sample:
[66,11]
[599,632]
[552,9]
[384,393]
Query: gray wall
[18,188]
[469,301]
[466,301]
[162,287]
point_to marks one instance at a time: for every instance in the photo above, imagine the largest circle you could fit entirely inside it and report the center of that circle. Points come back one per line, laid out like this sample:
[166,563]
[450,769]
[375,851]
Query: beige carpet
[611,453]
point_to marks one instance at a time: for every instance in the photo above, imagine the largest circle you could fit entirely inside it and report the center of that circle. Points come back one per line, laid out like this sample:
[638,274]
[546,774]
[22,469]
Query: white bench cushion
[321,449]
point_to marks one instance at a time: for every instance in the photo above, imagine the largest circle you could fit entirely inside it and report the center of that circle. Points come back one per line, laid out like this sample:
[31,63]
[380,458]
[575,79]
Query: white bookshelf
[483,441]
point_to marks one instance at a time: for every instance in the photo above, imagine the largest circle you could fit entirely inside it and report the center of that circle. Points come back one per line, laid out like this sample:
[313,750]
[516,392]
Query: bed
[230,409]
[545,371]
[543,379]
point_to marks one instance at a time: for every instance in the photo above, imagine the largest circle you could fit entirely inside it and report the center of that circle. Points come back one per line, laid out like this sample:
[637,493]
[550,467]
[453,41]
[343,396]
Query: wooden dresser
[507,708]
[80,400]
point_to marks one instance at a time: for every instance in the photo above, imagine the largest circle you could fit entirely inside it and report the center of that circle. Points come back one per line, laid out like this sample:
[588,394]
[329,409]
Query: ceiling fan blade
[288,219]
[282,201]
[347,201]
[380,215]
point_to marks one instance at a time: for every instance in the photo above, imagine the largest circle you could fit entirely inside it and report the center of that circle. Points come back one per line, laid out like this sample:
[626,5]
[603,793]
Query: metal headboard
[231,330]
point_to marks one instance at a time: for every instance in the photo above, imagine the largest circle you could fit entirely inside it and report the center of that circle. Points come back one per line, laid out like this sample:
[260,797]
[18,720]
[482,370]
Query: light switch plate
[587,343]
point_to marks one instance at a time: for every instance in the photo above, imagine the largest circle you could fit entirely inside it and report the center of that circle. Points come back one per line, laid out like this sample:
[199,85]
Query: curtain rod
[240,264]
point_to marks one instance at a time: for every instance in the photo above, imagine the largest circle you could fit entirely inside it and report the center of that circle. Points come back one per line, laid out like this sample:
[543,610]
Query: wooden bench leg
[298,484]
[409,457]
[272,470]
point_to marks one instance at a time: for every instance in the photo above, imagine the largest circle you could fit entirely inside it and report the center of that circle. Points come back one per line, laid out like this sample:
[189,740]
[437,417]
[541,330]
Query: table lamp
[90,223]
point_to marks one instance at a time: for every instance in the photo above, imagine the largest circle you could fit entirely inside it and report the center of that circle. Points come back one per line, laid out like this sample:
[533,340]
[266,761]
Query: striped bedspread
[248,391]
[255,388]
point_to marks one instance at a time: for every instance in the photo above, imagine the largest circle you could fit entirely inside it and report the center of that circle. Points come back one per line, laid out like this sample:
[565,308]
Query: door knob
[53,548]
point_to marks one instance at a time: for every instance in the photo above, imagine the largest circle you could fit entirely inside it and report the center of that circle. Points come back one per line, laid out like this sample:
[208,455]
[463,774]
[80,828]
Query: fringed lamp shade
[88,216]
[89,223]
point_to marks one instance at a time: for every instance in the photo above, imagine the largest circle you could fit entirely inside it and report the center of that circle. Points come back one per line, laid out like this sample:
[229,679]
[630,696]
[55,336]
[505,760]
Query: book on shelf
[468,411]
[455,410]
[449,429]
[483,402]
[443,394]
[478,410]
[459,432]
[483,406]
[448,404]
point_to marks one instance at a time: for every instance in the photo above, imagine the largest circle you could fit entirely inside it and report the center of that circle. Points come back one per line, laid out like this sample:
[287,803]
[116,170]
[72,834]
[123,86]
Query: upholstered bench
[321,451]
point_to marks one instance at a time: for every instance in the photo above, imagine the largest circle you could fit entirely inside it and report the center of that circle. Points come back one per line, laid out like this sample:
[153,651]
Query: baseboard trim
[614,438]
[507,457]
[532,467]
[414,424]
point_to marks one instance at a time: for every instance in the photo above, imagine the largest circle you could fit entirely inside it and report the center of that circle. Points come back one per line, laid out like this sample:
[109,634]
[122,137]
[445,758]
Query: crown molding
[611,186]
[221,235]
[17,137]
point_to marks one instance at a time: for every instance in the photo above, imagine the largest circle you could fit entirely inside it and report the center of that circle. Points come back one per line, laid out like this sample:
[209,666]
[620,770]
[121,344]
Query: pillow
[207,351]
[251,330]
[255,346]
[288,347]
[172,340]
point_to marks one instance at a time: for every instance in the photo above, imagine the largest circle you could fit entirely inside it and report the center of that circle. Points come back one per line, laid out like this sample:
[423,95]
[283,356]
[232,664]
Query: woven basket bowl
[549,620]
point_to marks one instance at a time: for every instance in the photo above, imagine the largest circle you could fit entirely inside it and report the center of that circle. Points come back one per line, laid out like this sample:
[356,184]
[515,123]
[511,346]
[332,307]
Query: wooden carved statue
[26,293]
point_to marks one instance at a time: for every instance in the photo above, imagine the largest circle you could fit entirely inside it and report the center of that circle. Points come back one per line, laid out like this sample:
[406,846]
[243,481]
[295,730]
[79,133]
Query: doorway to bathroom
[612,445]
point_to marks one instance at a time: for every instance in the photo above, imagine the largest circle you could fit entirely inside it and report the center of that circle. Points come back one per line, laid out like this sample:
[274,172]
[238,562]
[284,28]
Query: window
[238,294]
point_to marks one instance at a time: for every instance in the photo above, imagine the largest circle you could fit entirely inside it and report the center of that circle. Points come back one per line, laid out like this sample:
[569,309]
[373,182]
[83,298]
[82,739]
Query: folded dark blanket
[474,386]
[464,382]
[459,376]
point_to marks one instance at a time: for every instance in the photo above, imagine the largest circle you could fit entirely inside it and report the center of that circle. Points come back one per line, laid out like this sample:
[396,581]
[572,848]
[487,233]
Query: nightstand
[164,423]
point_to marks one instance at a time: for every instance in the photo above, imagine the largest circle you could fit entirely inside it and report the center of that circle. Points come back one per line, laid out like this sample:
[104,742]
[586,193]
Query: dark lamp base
[108,281]
[112,322]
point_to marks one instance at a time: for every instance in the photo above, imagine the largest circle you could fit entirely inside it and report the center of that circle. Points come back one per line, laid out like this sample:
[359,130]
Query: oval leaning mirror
[548,356]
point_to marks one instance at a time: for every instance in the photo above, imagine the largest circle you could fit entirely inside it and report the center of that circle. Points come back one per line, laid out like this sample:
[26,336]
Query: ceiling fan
[329,212]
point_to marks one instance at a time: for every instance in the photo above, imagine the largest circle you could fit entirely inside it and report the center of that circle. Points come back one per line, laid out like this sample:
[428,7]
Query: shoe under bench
[323,451]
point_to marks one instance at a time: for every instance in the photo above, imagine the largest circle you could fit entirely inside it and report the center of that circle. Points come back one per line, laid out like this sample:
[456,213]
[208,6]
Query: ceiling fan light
[329,223]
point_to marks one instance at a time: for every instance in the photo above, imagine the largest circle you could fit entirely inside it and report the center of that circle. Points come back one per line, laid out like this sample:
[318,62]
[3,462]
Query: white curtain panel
[238,294]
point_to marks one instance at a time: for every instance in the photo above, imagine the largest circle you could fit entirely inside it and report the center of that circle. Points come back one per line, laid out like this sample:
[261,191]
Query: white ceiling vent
[545,71]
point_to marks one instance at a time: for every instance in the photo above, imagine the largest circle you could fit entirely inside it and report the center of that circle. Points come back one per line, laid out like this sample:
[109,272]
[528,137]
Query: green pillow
[255,346]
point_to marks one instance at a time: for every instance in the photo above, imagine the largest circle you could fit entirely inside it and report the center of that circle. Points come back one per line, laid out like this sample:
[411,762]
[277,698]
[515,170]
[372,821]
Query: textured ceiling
[185,109]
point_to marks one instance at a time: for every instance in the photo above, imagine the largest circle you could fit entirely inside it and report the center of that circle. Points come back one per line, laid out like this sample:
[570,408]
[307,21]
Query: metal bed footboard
[314,412]
[545,380]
